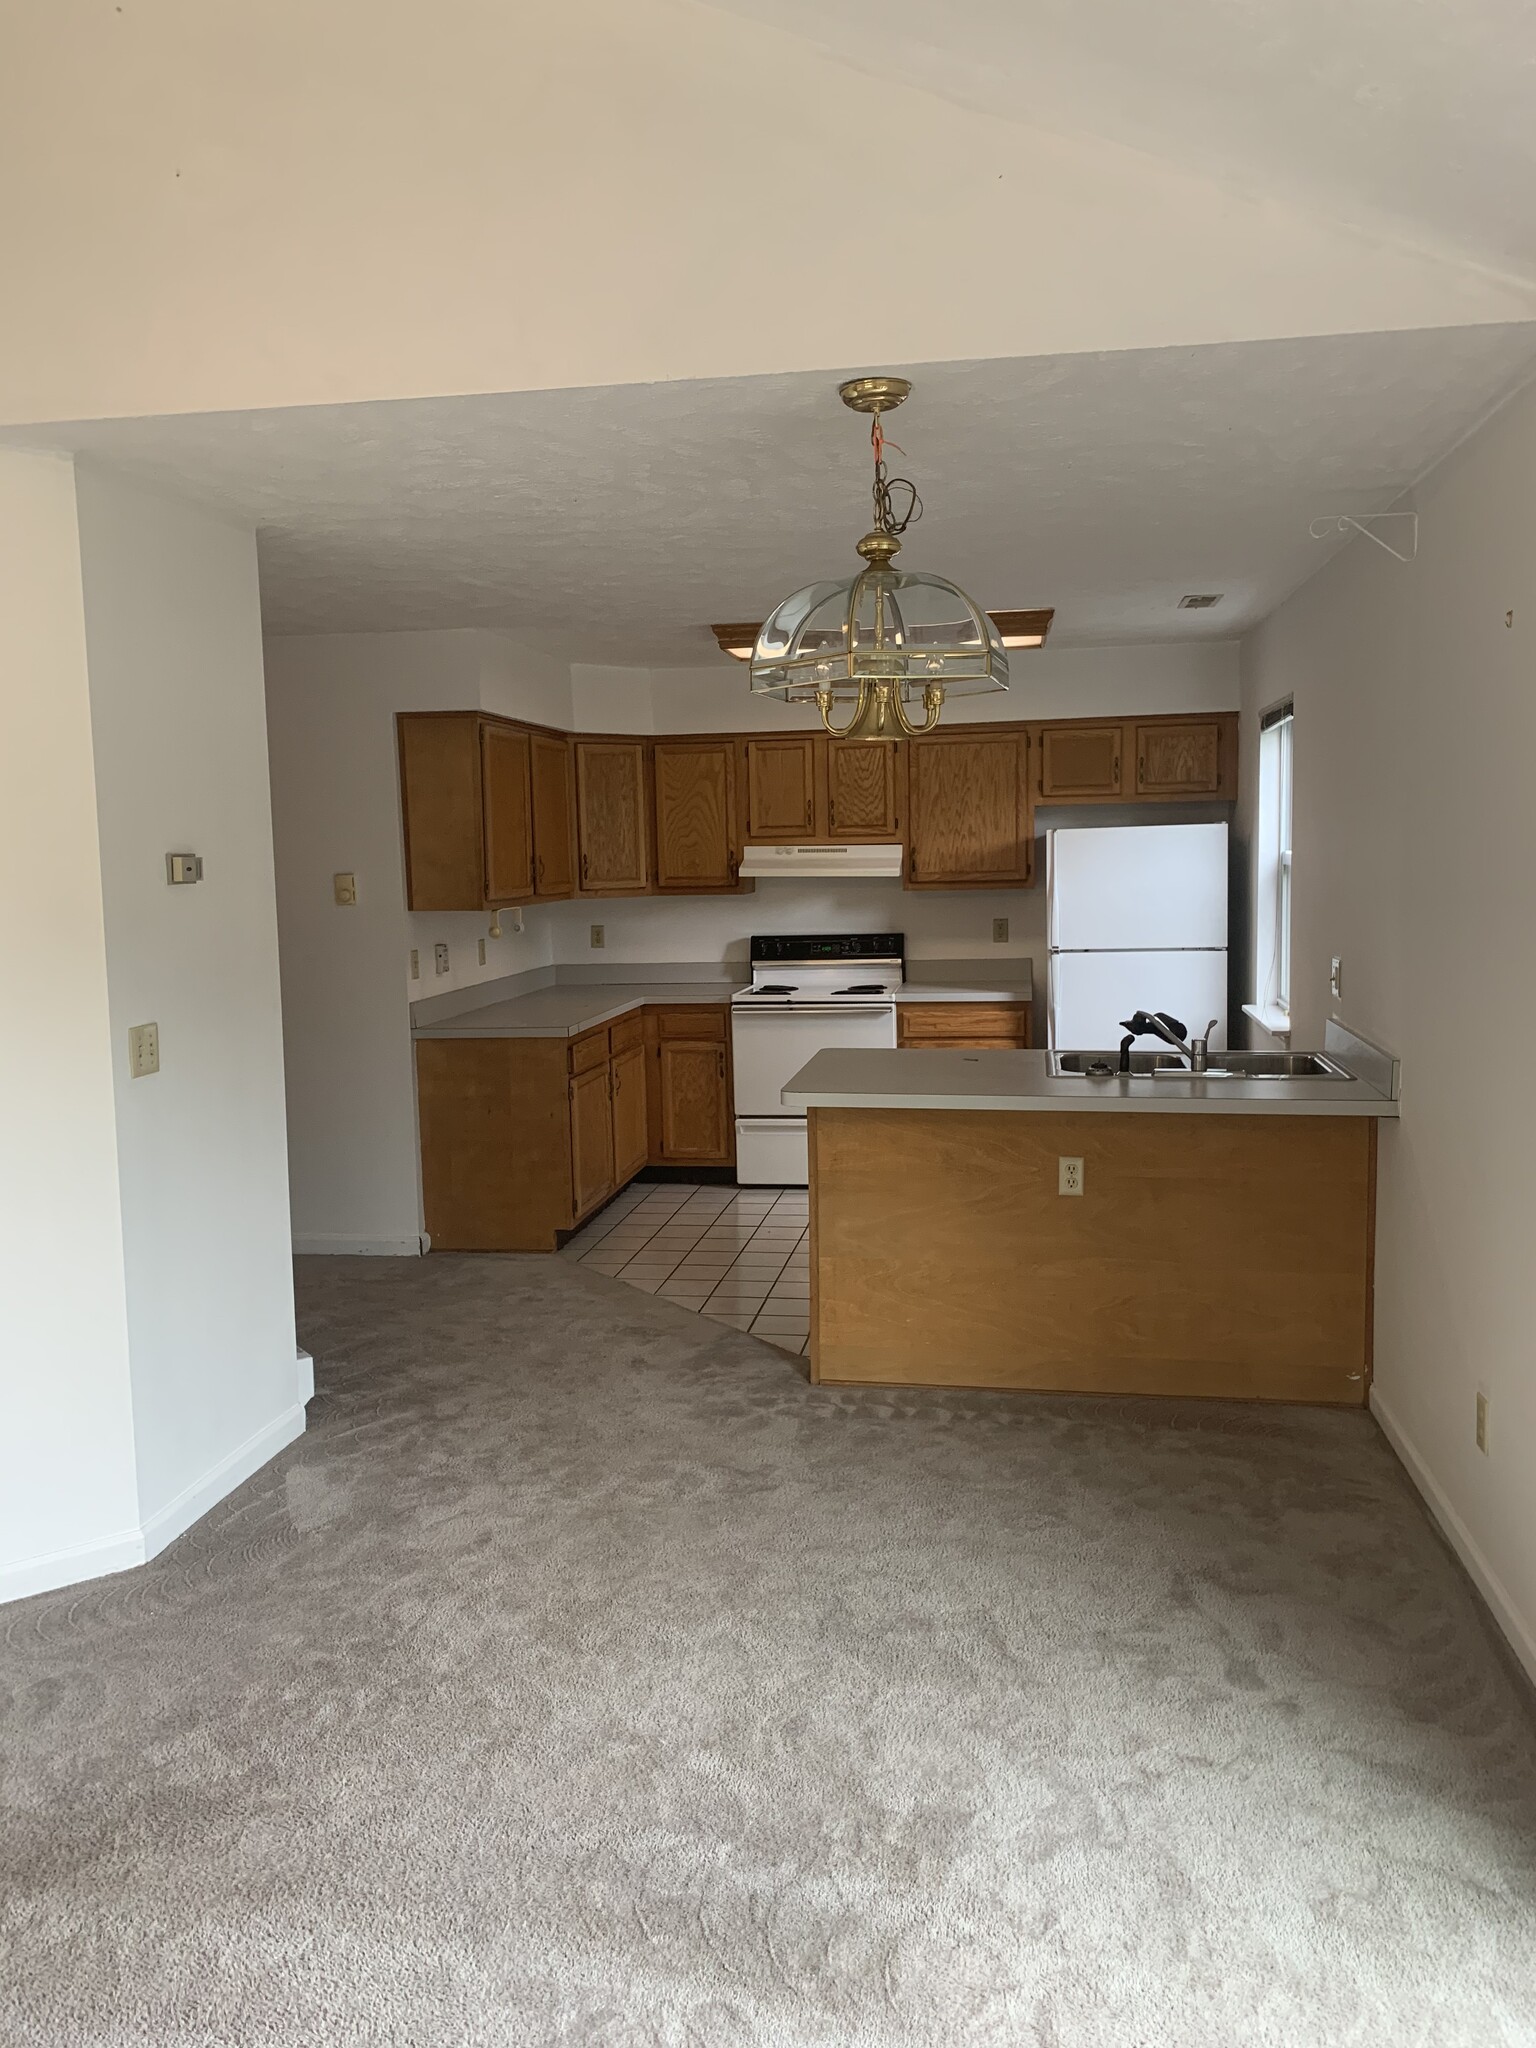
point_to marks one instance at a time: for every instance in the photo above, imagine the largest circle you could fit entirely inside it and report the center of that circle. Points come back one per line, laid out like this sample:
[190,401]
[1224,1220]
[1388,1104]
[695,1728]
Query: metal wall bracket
[1350,522]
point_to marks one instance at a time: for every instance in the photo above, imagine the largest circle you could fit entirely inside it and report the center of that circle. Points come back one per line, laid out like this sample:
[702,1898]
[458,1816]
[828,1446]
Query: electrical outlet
[1336,977]
[598,939]
[415,965]
[999,931]
[143,1050]
[440,957]
[482,952]
[1069,1176]
[1482,1422]
[345,889]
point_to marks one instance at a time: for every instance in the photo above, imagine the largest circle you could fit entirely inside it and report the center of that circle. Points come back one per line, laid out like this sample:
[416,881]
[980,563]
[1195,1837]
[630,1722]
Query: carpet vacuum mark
[585,1677]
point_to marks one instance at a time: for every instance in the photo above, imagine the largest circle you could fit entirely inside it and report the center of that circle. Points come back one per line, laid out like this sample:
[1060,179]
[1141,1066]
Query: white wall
[173,634]
[150,1360]
[1415,847]
[218,208]
[67,1481]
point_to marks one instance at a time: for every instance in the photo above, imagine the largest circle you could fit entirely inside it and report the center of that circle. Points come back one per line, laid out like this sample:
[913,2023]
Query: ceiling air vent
[1200,603]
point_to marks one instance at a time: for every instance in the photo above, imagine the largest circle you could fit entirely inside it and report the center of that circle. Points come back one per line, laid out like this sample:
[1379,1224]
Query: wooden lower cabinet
[592,1177]
[631,1137]
[954,1025]
[521,1138]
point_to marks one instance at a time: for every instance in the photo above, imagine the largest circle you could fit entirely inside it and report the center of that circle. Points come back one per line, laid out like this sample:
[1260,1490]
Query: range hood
[794,863]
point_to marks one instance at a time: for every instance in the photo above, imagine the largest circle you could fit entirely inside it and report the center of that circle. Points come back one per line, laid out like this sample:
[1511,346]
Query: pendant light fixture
[888,647]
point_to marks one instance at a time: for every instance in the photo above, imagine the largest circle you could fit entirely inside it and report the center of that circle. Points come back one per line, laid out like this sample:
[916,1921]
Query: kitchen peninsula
[1219,1242]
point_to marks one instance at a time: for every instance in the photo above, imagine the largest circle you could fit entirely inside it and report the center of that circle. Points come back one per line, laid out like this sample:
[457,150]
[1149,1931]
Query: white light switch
[143,1050]
[345,887]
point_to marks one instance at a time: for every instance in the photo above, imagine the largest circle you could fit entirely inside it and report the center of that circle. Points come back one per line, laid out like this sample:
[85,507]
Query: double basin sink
[1224,1066]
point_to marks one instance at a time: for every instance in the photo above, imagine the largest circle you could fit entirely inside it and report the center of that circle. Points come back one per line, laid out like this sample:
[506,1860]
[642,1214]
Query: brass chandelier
[889,645]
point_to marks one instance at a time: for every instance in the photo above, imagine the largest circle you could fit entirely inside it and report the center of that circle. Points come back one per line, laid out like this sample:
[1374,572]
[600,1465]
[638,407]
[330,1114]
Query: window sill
[1276,1022]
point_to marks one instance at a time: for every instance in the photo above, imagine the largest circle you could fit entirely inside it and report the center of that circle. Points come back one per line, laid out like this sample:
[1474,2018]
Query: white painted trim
[360,1247]
[194,1501]
[71,1567]
[135,1546]
[306,1378]
[1521,1638]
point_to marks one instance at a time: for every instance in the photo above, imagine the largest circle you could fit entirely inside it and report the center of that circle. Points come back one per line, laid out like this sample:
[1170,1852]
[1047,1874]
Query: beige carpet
[586,1677]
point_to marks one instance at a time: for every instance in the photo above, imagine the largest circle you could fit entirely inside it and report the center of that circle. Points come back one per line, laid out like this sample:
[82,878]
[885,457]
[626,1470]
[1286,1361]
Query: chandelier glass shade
[879,653]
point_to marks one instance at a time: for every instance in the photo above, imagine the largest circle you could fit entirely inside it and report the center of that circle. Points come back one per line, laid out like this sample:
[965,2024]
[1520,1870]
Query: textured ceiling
[615,524]
[1412,117]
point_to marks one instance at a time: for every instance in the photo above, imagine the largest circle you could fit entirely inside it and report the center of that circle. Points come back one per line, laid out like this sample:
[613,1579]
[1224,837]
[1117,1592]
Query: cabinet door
[591,1139]
[781,789]
[507,805]
[695,1114]
[970,824]
[554,849]
[864,780]
[440,772]
[610,817]
[630,1144]
[1080,761]
[695,815]
[1179,758]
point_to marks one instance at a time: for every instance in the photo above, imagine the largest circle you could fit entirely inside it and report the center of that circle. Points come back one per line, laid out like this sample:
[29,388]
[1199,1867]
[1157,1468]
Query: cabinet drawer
[1005,1022]
[590,1050]
[958,1044]
[702,1020]
[625,1032]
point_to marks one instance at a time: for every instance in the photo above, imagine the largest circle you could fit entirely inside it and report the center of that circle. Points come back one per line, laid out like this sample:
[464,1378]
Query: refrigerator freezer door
[1137,887]
[1091,992]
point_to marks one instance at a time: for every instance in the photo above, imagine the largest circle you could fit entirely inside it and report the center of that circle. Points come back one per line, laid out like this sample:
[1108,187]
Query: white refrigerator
[1137,920]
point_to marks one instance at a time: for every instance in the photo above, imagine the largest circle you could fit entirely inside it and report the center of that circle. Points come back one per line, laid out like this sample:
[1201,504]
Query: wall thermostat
[183,867]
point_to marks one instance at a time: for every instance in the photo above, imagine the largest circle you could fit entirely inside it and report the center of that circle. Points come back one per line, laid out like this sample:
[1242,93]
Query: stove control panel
[831,947]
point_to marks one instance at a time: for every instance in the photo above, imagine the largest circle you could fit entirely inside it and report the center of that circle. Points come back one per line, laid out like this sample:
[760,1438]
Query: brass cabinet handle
[809,811]
[538,868]
[721,1059]
[584,868]
[831,814]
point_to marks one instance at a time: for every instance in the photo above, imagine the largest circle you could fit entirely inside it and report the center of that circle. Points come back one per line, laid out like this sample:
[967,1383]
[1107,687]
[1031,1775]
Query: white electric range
[806,994]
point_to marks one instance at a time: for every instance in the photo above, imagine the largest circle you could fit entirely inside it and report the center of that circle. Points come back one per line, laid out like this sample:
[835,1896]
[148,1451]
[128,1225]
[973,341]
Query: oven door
[770,1046]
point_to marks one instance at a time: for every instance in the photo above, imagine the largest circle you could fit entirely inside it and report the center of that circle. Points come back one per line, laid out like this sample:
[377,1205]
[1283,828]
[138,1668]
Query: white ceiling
[1412,118]
[614,525]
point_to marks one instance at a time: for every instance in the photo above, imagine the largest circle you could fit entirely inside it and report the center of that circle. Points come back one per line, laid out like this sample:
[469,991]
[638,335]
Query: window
[1272,907]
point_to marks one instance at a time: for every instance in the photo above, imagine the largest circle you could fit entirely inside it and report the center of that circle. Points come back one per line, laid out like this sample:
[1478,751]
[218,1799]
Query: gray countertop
[927,1078]
[567,1009]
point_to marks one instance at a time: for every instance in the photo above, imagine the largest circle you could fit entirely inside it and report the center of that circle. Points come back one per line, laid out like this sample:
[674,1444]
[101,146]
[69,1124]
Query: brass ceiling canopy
[888,645]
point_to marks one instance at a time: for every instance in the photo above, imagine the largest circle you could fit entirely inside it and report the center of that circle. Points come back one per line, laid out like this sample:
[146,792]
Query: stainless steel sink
[1225,1066]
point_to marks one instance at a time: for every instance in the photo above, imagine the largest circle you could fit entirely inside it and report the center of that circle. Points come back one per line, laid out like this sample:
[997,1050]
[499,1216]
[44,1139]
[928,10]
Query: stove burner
[774,988]
[862,988]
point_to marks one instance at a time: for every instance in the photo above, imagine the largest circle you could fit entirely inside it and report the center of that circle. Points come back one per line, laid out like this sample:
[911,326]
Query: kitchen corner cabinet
[522,1138]
[697,850]
[486,810]
[612,817]
[970,823]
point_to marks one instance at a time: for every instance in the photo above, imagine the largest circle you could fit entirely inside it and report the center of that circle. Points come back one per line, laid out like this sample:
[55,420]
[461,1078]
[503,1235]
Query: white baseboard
[360,1247]
[135,1546]
[71,1567]
[306,1378]
[1483,1576]
[194,1501]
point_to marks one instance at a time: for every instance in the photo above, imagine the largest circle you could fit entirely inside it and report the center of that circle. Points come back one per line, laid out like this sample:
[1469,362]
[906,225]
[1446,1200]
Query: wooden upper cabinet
[440,799]
[611,817]
[970,824]
[695,815]
[781,788]
[1080,762]
[865,788]
[507,805]
[1179,757]
[554,814]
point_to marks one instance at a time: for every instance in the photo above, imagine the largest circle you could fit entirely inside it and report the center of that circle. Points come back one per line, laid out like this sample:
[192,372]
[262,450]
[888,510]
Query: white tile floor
[737,1254]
